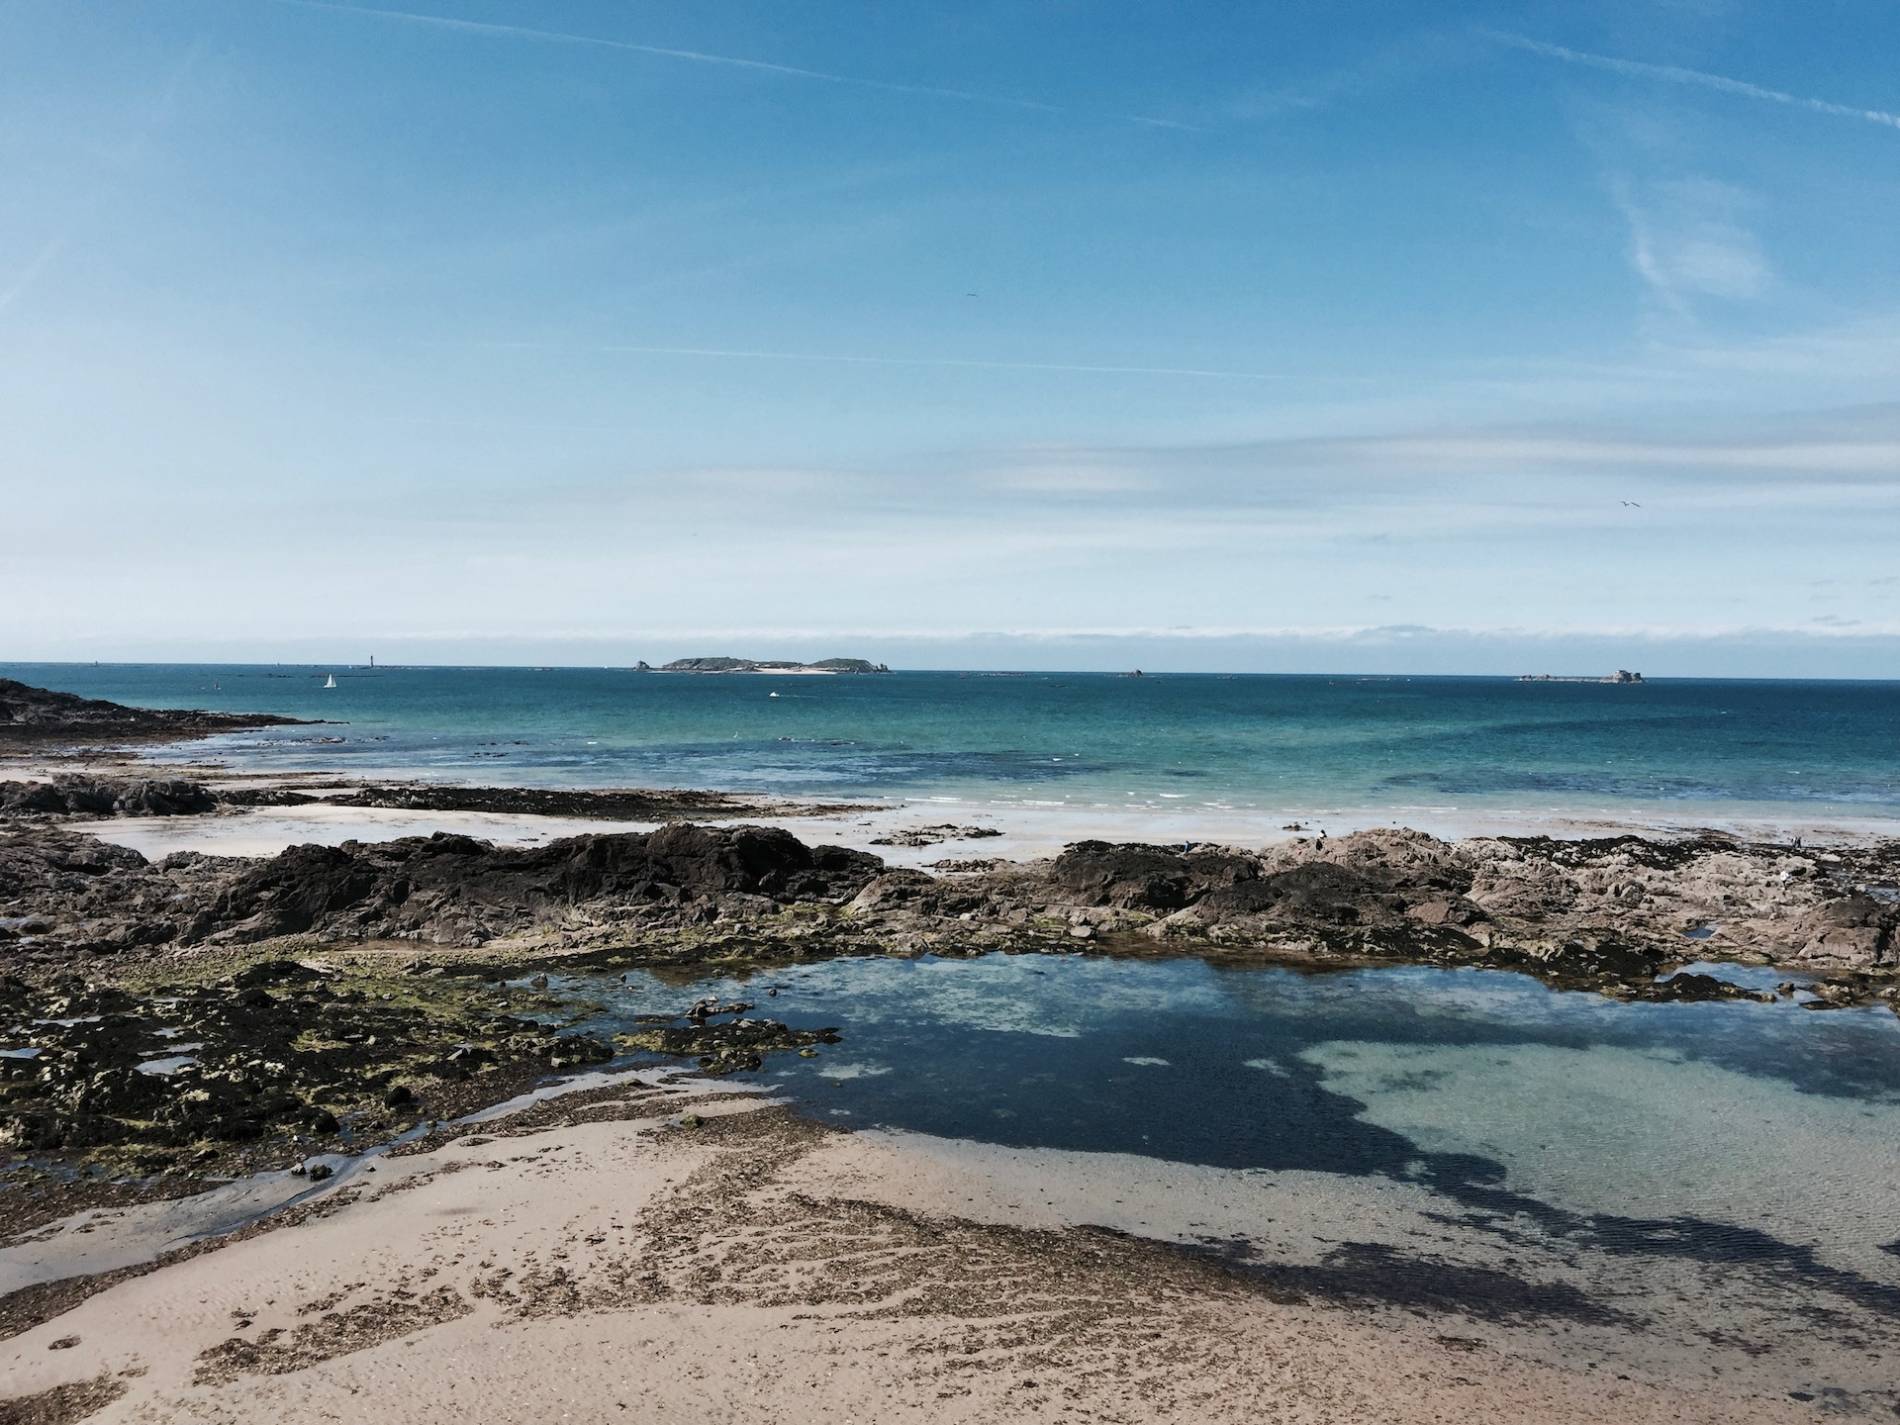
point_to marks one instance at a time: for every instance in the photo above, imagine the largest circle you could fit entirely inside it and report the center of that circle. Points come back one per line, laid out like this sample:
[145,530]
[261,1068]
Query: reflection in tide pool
[1691,1191]
[1751,1128]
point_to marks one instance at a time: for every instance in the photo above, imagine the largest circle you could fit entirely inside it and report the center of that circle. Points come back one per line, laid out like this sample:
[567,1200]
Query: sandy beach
[609,1257]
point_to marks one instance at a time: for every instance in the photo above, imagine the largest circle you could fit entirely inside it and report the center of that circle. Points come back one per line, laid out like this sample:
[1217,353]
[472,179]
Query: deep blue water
[1282,744]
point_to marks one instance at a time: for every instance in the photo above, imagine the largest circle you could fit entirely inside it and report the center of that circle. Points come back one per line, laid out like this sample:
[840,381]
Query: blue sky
[1343,335]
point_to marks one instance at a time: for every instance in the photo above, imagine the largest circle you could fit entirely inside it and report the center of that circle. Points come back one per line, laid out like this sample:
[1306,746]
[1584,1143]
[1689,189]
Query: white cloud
[1689,239]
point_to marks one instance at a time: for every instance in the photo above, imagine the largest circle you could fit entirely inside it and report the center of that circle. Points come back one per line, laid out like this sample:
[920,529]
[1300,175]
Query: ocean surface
[1291,747]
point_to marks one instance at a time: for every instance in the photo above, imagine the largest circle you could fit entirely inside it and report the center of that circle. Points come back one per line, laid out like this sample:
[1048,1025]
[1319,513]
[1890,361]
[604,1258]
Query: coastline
[1026,832]
[1029,829]
[599,1239]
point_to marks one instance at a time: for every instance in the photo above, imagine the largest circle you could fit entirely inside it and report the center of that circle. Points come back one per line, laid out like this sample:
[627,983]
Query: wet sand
[1026,833]
[611,1259]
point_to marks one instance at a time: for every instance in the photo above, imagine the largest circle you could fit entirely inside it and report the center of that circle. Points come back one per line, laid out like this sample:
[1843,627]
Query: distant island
[1621,675]
[763,665]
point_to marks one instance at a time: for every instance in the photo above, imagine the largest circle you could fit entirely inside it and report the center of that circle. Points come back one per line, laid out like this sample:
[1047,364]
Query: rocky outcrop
[94,796]
[935,835]
[628,804]
[59,889]
[78,795]
[455,889]
[41,716]
[1618,912]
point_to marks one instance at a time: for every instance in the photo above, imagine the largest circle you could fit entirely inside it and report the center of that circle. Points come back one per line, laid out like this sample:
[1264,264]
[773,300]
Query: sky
[1326,335]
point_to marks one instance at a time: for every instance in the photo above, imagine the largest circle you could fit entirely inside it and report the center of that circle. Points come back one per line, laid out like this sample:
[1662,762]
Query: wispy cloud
[1696,78]
[1688,239]
[28,275]
[693,56]
[778,635]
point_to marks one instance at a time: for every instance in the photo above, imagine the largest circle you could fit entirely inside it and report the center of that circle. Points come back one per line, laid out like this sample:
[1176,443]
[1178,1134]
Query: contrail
[739,354]
[1673,74]
[50,250]
[693,56]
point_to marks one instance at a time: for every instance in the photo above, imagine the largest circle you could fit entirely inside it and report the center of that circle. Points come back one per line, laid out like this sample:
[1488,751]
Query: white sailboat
[330,682]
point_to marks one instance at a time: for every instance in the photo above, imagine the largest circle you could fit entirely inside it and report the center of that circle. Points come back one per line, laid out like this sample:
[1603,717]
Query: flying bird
[1629,504]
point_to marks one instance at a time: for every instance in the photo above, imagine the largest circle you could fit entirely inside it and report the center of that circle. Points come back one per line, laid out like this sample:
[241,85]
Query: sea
[1709,1190]
[1423,749]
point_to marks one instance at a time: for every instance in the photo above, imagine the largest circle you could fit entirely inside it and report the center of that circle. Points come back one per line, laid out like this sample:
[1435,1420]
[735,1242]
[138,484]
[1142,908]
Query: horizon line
[1590,678]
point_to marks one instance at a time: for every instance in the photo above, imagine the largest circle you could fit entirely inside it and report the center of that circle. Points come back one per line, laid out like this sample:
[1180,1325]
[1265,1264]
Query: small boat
[771,695]
[330,682]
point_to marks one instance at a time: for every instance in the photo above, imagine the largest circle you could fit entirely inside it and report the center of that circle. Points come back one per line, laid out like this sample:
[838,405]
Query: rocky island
[756,665]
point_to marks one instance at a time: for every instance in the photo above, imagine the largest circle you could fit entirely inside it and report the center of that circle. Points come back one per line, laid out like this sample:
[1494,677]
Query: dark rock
[1856,928]
[1605,957]
[1129,877]
[275,972]
[90,796]
[935,835]
[729,1047]
[39,715]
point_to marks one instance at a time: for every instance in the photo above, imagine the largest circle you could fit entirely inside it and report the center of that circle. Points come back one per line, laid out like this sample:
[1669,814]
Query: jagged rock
[39,715]
[1853,930]
[94,796]
[1589,912]
[1603,957]
[935,835]
[1132,877]
[895,890]
[727,1047]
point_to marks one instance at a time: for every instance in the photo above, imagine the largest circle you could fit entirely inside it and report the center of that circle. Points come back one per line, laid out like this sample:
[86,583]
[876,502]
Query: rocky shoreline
[87,794]
[330,995]
[38,717]
[1614,911]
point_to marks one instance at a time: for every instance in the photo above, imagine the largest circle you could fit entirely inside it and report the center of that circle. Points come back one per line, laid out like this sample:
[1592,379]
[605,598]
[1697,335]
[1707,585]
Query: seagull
[1629,504]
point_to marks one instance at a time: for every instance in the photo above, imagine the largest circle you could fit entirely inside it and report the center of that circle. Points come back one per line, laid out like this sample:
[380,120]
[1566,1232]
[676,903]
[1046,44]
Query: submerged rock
[730,1047]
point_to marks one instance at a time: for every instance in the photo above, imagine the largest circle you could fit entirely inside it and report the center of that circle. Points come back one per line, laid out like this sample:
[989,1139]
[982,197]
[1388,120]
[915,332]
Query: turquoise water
[1708,1133]
[1174,742]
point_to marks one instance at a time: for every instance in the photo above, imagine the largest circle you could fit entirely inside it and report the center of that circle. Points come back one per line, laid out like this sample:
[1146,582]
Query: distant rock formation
[1621,675]
[767,665]
[40,715]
